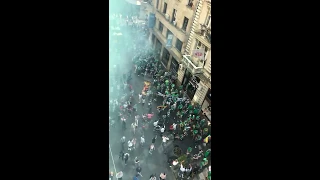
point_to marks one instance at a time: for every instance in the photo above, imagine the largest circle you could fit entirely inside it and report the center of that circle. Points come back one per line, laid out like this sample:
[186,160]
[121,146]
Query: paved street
[155,163]
[151,164]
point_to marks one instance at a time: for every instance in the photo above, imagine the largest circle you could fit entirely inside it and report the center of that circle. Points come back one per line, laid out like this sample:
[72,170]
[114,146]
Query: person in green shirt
[207,153]
[181,125]
[196,111]
[167,82]
[189,150]
[197,125]
[203,122]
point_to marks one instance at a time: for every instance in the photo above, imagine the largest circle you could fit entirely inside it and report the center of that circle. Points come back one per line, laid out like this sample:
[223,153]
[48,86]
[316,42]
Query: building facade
[189,23]
[172,17]
[199,70]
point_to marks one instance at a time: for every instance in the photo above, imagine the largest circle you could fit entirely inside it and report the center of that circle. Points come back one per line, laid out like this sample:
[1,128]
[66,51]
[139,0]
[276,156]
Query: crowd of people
[175,118]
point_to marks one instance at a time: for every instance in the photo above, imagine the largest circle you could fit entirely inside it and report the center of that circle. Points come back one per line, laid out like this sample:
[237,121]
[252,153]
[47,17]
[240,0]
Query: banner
[151,20]
[199,53]
[169,41]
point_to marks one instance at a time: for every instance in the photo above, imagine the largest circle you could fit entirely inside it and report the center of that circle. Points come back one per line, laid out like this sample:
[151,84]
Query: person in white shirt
[142,140]
[130,144]
[133,126]
[123,139]
[188,171]
[140,97]
[155,124]
[182,170]
[174,126]
[162,130]
[151,148]
[175,162]
[162,176]
[136,122]
[164,142]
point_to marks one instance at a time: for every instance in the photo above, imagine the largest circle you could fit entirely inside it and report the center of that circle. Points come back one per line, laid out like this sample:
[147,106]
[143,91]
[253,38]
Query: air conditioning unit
[180,66]
[167,16]
[174,23]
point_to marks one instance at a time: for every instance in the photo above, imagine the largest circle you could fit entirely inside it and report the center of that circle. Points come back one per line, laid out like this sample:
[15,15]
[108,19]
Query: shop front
[206,106]
[190,83]
[174,67]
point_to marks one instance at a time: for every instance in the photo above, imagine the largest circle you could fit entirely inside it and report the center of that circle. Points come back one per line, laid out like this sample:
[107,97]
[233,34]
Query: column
[200,94]
[169,63]
[161,52]
[181,73]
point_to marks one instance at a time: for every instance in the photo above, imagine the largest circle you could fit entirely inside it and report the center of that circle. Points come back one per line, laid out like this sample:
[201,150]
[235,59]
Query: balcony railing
[192,66]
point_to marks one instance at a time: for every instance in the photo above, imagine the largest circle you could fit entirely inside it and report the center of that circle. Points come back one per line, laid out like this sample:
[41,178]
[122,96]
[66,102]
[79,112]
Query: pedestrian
[126,157]
[164,142]
[121,155]
[182,170]
[162,130]
[140,97]
[188,171]
[143,101]
[124,124]
[123,139]
[162,176]
[154,139]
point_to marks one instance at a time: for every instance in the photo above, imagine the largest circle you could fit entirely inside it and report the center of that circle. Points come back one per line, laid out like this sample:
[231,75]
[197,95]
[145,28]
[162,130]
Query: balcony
[195,67]
[204,36]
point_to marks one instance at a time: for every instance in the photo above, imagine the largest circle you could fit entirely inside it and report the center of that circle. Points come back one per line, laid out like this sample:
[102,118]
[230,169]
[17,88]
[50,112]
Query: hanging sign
[169,41]
[199,53]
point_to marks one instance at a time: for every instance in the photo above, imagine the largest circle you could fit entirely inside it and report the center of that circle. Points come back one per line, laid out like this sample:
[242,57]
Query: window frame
[174,15]
[208,21]
[165,6]
[160,23]
[168,31]
[185,23]
[178,40]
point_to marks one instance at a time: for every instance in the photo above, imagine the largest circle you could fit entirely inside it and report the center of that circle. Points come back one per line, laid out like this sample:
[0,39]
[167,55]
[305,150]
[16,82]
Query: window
[168,32]
[160,27]
[190,3]
[157,4]
[174,65]
[174,15]
[208,21]
[179,45]
[165,8]
[185,23]
[165,57]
